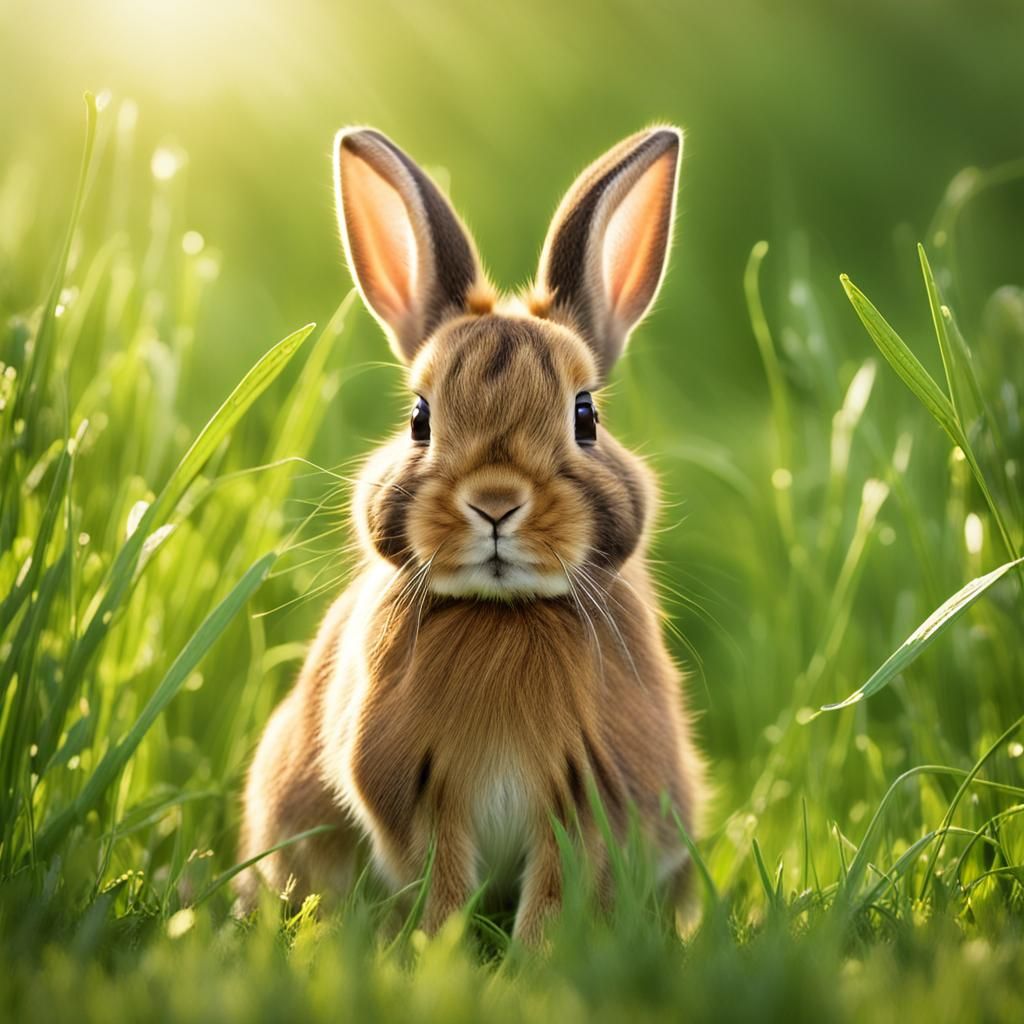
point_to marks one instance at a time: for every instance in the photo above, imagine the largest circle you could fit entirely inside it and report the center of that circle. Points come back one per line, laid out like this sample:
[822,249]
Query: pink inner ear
[380,237]
[634,241]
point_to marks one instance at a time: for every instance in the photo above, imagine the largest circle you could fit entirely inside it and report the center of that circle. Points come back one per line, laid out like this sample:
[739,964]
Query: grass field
[175,448]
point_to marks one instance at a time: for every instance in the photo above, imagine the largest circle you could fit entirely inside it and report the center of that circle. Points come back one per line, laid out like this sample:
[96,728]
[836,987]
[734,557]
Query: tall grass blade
[264,372]
[122,571]
[936,623]
[13,601]
[921,383]
[941,335]
[905,363]
[966,396]
[225,876]
[776,383]
[30,395]
[770,890]
[947,819]
[18,719]
[117,757]
[712,898]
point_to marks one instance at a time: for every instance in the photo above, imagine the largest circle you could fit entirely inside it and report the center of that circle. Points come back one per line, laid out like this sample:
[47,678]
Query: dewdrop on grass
[207,267]
[180,922]
[974,533]
[138,510]
[166,163]
[192,243]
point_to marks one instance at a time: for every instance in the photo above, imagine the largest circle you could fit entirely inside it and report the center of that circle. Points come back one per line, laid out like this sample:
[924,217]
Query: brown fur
[469,710]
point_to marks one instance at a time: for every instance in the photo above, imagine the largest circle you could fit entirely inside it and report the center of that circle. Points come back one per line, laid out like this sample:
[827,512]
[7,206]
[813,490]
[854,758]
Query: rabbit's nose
[495,507]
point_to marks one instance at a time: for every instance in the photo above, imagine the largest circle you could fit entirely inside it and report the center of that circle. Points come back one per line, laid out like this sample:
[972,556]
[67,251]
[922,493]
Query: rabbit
[498,659]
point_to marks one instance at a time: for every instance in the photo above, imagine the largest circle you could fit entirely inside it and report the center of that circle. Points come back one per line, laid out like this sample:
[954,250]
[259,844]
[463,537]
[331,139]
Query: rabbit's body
[499,658]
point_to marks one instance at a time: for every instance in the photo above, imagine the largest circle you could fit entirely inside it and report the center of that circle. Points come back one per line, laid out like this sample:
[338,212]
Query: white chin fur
[514,581]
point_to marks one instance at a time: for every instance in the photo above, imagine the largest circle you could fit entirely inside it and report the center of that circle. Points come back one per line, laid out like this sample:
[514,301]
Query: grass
[160,577]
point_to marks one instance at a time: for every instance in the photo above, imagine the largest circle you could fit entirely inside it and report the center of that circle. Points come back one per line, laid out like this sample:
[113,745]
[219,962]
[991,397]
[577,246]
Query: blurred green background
[838,132]
[843,120]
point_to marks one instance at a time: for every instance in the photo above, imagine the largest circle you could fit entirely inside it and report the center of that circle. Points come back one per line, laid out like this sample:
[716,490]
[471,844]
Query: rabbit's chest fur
[476,718]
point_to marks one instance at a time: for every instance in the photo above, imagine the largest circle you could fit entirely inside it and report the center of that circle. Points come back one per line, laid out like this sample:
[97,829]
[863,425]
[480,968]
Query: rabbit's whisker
[425,589]
[329,553]
[308,595]
[579,607]
[663,617]
[592,589]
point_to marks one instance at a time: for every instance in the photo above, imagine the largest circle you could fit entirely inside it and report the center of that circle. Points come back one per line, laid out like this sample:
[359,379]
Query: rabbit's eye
[586,419]
[420,421]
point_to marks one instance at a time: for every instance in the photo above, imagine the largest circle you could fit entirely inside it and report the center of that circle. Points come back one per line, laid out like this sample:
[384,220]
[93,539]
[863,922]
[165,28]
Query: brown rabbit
[500,652]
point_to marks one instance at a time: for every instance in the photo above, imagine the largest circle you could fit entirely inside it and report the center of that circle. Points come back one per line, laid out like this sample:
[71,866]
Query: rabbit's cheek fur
[382,501]
[617,489]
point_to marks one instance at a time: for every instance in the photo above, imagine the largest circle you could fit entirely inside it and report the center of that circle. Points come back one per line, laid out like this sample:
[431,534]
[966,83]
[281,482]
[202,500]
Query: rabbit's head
[504,482]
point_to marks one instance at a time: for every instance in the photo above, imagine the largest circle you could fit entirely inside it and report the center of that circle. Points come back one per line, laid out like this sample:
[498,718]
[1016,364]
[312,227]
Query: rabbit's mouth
[499,578]
[496,564]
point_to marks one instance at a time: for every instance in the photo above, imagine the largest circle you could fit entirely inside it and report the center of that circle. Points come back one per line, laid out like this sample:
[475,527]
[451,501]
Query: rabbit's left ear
[414,262]
[606,250]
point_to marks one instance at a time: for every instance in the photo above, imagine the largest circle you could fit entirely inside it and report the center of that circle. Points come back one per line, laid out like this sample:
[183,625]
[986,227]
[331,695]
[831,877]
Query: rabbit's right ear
[606,250]
[409,254]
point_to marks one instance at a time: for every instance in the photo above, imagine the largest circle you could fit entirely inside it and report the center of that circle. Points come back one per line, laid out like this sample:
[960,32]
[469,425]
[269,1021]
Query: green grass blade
[419,906]
[226,876]
[957,365]
[947,819]
[1000,448]
[117,757]
[940,620]
[941,335]
[252,385]
[857,869]
[710,889]
[776,383]
[15,599]
[29,397]
[300,416]
[905,363]
[762,871]
[920,382]
[897,871]
[122,572]
[15,740]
